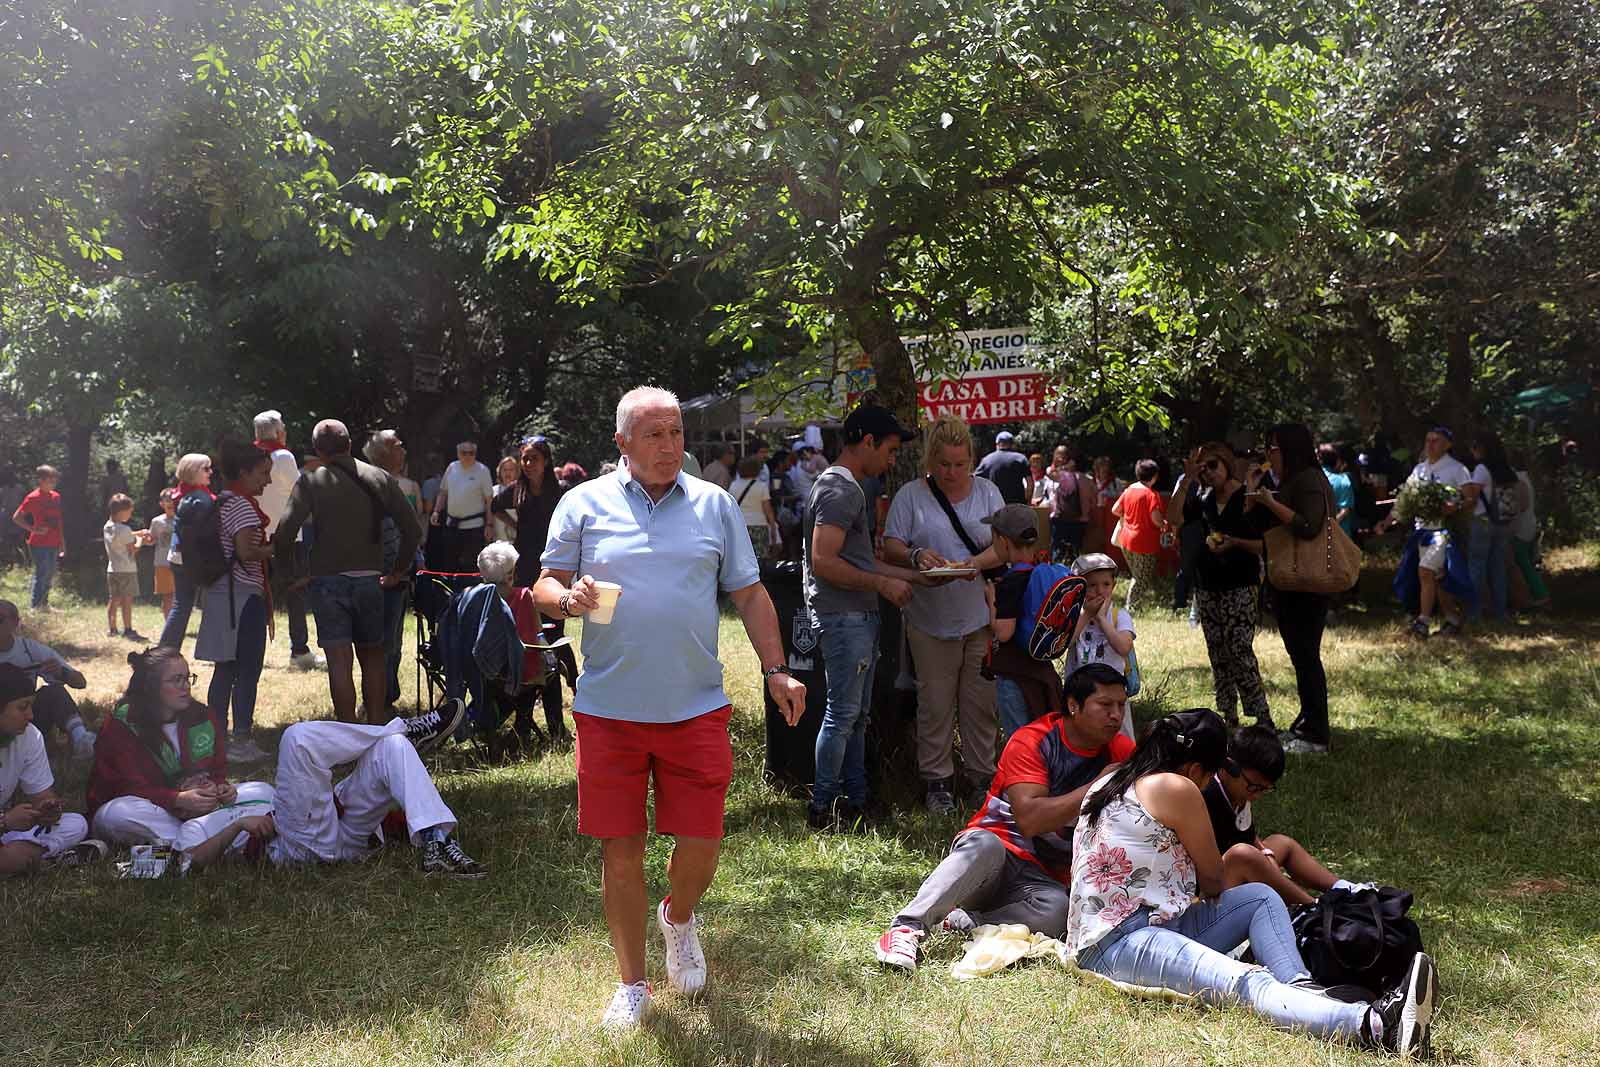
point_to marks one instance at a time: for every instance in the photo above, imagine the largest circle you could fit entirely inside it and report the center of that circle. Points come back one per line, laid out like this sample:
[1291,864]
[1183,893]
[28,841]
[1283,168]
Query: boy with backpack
[1254,765]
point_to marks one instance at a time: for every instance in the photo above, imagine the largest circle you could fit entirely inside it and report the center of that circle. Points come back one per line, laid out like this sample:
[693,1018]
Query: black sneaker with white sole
[446,857]
[1404,1015]
[428,731]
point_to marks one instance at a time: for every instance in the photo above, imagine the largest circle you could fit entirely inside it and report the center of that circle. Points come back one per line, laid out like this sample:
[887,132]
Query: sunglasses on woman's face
[1213,464]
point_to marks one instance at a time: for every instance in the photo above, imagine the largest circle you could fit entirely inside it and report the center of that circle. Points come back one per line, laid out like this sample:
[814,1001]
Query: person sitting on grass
[1143,851]
[122,566]
[1254,765]
[1012,863]
[36,832]
[53,706]
[161,758]
[313,821]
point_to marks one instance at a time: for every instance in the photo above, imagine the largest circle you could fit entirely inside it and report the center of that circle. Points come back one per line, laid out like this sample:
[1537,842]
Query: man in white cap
[272,438]
[1007,469]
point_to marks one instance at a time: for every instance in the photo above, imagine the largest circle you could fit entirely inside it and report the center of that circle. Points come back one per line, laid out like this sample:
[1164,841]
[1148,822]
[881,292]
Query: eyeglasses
[1212,464]
[185,681]
[1258,789]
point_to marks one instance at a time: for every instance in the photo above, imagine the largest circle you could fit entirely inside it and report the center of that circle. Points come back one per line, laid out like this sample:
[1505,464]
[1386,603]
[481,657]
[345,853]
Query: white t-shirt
[274,499]
[120,547]
[1449,470]
[1485,481]
[23,762]
[915,518]
[29,655]
[1092,646]
[1525,527]
[759,494]
[468,493]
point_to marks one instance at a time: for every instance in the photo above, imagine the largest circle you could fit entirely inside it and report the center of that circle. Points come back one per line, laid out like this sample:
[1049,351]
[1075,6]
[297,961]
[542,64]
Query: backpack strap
[746,490]
[960,527]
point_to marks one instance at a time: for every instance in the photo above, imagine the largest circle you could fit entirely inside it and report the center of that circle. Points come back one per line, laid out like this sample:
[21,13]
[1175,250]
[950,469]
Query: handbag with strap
[993,574]
[1362,937]
[1327,563]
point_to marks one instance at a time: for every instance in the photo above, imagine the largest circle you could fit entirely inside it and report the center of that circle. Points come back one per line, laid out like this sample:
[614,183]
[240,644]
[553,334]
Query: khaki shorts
[121,584]
[164,581]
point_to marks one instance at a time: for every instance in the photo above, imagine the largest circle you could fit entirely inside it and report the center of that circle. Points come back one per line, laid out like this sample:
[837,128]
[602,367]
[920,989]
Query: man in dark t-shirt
[1255,763]
[1013,861]
[1007,469]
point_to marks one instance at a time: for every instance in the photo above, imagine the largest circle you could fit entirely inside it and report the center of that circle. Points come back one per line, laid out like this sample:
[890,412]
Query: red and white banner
[999,382]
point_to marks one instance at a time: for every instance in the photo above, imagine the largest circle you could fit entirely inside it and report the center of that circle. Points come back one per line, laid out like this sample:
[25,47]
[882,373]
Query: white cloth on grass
[132,820]
[387,771]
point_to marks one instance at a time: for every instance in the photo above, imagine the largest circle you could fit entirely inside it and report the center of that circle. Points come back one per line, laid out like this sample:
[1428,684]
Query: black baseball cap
[880,422]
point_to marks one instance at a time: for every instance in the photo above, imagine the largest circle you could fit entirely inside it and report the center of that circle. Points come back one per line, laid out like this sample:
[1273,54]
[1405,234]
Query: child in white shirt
[1105,632]
[122,568]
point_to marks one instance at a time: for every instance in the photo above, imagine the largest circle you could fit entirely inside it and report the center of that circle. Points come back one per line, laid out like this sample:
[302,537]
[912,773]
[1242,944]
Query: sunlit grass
[1463,770]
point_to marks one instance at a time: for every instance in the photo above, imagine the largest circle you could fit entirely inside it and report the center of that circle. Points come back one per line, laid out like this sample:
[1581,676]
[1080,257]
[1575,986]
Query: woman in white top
[1144,849]
[947,626]
[755,502]
[507,473]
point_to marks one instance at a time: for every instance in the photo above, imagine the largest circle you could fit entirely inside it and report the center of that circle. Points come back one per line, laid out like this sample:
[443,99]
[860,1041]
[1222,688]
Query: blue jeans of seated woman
[849,642]
[1187,956]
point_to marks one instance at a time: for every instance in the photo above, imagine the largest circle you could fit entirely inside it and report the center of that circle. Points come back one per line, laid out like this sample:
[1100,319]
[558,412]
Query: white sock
[1343,884]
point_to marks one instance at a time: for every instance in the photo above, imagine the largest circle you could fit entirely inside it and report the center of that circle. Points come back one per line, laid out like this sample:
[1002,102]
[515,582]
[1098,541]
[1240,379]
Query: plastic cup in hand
[606,593]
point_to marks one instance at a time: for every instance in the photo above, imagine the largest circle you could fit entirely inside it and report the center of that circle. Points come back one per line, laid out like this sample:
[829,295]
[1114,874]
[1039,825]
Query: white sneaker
[244,750]
[686,964]
[83,745]
[308,661]
[627,1008]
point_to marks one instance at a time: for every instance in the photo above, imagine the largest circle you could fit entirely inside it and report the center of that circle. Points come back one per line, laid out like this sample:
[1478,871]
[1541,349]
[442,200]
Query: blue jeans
[1014,714]
[44,572]
[184,589]
[1187,956]
[395,603]
[237,678]
[849,641]
[1491,550]
[1478,542]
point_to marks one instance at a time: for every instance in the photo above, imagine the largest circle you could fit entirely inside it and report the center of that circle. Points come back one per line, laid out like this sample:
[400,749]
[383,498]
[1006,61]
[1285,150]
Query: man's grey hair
[380,448]
[498,563]
[635,400]
[330,437]
[269,425]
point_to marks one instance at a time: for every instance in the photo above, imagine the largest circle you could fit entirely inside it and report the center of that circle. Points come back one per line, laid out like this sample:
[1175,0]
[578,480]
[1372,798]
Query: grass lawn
[1464,770]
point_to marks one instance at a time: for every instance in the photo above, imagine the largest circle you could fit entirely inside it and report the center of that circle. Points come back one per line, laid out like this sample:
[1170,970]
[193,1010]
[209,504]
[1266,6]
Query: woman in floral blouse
[1144,850]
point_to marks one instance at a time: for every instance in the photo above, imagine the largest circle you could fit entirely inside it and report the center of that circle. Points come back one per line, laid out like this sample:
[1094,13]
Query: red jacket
[124,765]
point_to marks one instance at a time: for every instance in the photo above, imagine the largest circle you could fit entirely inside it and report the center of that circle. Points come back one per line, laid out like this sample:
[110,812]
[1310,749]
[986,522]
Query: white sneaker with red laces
[900,946]
[686,963]
[627,1008]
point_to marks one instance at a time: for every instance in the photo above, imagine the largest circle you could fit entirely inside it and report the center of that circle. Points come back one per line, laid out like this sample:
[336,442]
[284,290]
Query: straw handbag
[1330,563]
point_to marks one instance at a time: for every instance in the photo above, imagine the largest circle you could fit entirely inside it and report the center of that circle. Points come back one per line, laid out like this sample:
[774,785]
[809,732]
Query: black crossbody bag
[993,574]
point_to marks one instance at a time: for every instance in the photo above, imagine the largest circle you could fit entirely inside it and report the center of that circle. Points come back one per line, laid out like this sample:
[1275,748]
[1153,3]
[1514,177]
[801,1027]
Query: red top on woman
[1140,533]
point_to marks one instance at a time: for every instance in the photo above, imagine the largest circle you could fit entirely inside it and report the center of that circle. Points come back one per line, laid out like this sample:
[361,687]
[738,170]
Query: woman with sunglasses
[1150,907]
[526,505]
[1227,581]
[161,759]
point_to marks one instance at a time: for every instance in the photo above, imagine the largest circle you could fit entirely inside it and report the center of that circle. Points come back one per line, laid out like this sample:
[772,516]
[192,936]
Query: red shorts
[692,762]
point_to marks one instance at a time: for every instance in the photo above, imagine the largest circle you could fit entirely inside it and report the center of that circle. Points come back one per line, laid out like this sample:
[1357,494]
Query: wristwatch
[779,669]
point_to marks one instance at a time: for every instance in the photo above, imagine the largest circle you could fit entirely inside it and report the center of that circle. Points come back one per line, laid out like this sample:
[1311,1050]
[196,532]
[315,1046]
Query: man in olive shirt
[347,500]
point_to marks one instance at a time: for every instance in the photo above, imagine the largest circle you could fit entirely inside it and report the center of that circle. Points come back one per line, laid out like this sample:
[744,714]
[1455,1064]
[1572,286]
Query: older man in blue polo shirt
[650,702]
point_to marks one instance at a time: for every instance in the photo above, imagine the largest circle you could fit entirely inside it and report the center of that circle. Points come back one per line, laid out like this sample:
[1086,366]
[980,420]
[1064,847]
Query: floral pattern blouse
[1125,860]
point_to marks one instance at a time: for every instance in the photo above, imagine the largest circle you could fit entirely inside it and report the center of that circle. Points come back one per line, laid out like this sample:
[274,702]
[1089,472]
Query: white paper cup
[607,593]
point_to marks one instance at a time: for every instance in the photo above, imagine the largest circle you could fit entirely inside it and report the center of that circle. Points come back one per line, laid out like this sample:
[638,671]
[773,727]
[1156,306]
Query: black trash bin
[792,750]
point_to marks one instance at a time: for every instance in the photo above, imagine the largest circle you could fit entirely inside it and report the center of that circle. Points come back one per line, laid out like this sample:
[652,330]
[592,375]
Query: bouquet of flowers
[1428,501]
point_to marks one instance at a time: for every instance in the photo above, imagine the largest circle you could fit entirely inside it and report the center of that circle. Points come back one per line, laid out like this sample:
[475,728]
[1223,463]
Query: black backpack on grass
[1362,938]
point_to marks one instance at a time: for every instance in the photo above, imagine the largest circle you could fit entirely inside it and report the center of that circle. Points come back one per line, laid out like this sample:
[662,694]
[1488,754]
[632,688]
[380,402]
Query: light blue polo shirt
[657,659]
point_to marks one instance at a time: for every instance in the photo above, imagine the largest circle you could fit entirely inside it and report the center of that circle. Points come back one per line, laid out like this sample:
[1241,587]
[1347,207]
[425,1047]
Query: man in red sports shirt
[1012,864]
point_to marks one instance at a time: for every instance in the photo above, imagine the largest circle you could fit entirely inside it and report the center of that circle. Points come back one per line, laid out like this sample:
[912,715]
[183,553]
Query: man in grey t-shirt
[843,580]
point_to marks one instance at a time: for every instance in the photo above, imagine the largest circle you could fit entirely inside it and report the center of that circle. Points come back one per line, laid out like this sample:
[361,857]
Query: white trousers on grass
[318,822]
[126,821]
[70,829]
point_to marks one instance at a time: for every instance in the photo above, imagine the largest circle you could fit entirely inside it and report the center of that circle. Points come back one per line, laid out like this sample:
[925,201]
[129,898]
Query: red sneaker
[900,946]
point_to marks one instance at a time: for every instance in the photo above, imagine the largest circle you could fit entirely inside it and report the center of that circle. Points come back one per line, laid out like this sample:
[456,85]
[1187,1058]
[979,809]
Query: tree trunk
[1455,400]
[875,330]
[78,513]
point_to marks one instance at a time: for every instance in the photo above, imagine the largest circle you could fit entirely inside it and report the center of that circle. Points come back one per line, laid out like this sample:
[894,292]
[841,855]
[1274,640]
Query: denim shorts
[347,610]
